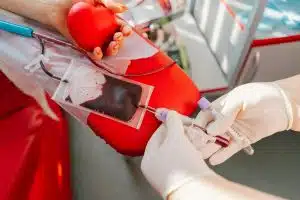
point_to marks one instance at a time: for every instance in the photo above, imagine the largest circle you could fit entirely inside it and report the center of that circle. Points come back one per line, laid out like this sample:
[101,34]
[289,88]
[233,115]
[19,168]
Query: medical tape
[35,63]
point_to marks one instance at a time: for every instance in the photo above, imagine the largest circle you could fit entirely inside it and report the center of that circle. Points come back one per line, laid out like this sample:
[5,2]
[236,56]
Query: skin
[56,13]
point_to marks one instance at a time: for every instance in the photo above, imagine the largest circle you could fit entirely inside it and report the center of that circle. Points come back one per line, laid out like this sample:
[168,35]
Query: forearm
[45,11]
[218,188]
[292,88]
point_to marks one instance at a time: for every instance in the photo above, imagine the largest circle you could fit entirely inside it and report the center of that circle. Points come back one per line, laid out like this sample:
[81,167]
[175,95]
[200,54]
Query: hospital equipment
[204,104]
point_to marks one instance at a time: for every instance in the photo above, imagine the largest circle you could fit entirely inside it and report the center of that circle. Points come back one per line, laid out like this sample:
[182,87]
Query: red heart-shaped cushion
[91,26]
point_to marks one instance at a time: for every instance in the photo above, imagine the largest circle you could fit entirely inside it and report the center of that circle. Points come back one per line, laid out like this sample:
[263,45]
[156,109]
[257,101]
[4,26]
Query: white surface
[276,62]
[205,70]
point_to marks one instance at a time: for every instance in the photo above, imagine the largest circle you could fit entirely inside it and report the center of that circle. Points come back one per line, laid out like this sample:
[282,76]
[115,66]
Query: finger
[145,35]
[162,113]
[208,150]
[118,37]
[223,154]
[225,118]
[125,28]
[87,1]
[97,53]
[220,126]
[114,6]
[174,126]
[112,48]
[201,141]
[204,118]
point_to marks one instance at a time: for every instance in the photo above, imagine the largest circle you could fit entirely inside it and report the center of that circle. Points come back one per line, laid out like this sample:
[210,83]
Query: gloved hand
[255,110]
[170,159]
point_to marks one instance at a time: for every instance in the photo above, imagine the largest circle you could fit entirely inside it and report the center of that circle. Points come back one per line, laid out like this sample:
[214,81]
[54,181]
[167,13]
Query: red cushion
[11,98]
[34,149]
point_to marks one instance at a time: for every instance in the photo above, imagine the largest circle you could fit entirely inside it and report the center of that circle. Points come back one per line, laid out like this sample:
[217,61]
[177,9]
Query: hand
[176,170]
[54,13]
[60,23]
[170,159]
[255,110]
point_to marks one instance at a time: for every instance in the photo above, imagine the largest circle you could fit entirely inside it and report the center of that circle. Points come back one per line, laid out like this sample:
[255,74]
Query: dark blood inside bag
[119,99]
[90,89]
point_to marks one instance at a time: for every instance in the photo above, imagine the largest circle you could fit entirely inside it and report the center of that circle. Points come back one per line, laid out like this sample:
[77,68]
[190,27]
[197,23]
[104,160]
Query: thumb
[114,6]
[225,117]
[174,125]
[225,153]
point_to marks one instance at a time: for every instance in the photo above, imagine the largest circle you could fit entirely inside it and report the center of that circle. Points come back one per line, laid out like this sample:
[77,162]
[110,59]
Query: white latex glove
[176,170]
[170,159]
[255,110]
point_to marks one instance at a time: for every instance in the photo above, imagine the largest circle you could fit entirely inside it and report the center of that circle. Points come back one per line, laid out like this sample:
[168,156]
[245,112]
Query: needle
[161,116]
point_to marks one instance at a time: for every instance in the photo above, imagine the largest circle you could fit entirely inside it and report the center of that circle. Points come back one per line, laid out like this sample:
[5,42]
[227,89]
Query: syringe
[204,104]
[161,115]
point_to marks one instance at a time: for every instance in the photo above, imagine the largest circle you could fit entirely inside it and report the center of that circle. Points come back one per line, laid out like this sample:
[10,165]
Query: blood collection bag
[89,88]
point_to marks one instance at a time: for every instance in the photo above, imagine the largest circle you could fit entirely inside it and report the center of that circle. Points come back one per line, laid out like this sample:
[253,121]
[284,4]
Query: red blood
[91,26]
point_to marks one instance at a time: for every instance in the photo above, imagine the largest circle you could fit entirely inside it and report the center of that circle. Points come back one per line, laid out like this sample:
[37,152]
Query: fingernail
[116,46]
[127,30]
[98,51]
[123,7]
[118,36]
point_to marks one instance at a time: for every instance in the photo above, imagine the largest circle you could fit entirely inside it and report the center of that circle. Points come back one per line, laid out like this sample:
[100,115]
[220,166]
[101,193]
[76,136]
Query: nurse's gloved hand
[255,110]
[171,160]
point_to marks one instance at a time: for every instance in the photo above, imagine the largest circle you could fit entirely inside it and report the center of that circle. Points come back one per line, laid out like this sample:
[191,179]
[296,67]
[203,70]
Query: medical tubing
[28,32]
[42,64]
[15,28]
[104,66]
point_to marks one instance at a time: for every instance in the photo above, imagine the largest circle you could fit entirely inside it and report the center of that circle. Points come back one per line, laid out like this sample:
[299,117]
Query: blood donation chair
[34,149]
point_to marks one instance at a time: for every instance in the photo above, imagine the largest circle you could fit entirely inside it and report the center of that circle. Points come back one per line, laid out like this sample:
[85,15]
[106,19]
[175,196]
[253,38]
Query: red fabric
[31,145]
[52,177]
[173,90]
[11,99]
